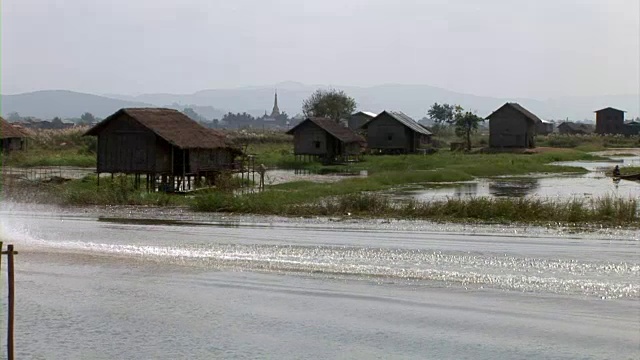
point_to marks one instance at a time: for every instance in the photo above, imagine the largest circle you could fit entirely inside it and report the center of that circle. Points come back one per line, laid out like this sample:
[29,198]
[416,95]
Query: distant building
[571,128]
[512,126]
[610,121]
[360,118]
[544,127]
[632,127]
[11,137]
[160,142]
[396,132]
[326,139]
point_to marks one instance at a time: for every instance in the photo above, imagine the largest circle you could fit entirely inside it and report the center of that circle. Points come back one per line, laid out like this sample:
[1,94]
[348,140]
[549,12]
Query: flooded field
[596,183]
[546,186]
[162,283]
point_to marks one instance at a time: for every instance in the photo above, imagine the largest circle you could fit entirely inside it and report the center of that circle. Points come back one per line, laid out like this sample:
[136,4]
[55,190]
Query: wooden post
[11,300]
[10,272]
[184,168]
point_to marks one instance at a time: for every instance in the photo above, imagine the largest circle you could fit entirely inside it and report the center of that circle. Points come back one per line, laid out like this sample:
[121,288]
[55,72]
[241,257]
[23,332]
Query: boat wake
[474,270]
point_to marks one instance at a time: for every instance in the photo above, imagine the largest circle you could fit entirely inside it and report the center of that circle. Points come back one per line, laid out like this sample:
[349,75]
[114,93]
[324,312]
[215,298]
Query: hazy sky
[509,48]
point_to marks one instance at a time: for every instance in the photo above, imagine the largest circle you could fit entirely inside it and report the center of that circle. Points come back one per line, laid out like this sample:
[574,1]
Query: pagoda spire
[276,111]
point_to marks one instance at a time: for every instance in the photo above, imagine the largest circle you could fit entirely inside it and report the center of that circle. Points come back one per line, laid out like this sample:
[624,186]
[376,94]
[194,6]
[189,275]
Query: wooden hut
[162,143]
[632,127]
[571,128]
[11,138]
[544,127]
[610,121]
[395,132]
[326,139]
[512,126]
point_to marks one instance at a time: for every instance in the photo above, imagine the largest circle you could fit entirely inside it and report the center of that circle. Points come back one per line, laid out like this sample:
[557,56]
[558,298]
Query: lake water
[101,284]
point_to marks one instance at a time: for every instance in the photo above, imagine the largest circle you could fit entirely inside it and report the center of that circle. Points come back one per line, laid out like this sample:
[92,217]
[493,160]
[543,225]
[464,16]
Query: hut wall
[384,132]
[210,159]
[125,146]
[509,128]
[162,156]
[310,139]
[11,144]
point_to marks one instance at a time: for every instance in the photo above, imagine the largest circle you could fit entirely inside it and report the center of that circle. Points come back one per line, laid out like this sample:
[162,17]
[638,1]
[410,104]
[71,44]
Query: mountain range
[414,100]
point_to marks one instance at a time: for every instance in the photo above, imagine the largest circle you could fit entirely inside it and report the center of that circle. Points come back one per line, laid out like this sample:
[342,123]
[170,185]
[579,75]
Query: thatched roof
[173,126]
[8,131]
[336,130]
[527,114]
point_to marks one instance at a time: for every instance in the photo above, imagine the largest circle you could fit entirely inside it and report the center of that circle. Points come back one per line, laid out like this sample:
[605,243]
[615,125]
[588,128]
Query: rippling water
[251,285]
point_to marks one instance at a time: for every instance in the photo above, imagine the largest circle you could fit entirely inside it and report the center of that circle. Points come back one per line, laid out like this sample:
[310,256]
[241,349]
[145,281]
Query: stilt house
[11,138]
[512,126]
[326,139]
[162,143]
[396,132]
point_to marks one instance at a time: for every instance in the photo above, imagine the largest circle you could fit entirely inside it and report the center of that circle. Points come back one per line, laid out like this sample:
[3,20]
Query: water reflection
[466,189]
[341,172]
[555,187]
[513,187]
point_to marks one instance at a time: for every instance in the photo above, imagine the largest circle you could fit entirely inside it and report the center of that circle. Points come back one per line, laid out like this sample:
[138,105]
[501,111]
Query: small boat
[633,177]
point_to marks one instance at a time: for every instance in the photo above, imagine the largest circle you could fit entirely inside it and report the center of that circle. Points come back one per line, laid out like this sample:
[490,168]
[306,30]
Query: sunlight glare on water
[601,279]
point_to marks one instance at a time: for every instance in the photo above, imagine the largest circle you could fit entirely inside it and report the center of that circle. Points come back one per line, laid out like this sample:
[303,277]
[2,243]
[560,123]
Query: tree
[332,104]
[87,118]
[238,120]
[465,124]
[442,114]
[193,115]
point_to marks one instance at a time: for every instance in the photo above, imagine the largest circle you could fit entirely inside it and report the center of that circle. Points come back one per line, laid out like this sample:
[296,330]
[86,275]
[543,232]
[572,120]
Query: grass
[607,210]
[602,210]
[42,157]
[273,154]
[119,191]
